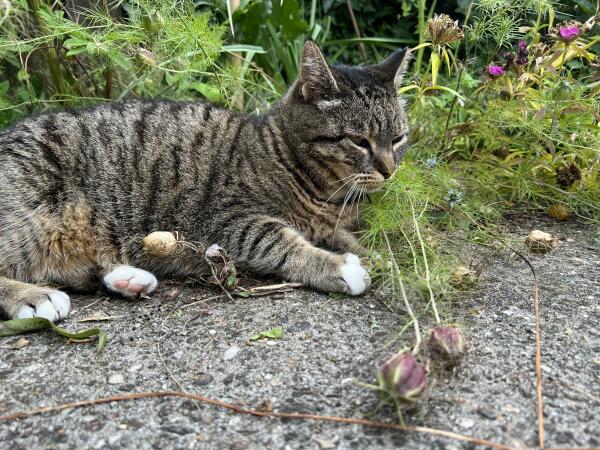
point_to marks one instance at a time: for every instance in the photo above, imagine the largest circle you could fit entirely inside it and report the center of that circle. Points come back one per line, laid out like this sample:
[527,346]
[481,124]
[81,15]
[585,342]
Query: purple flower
[495,70]
[522,56]
[569,33]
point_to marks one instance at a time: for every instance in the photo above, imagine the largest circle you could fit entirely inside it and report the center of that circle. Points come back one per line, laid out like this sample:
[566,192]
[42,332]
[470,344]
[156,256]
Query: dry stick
[361,46]
[405,298]
[240,410]
[538,356]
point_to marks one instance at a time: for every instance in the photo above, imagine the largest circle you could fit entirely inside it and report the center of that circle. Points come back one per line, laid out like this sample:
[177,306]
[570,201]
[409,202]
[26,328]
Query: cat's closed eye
[361,142]
[399,141]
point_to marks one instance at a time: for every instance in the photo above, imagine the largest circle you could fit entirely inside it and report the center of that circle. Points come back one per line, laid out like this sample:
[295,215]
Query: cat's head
[348,121]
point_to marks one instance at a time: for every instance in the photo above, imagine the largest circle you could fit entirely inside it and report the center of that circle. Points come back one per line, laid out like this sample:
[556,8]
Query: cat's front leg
[268,246]
[344,241]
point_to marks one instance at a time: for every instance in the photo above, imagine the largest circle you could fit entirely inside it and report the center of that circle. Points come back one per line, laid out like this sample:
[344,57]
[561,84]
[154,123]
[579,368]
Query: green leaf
[20,326]
[243,48]
[4,85]
[211,93]
[274,333]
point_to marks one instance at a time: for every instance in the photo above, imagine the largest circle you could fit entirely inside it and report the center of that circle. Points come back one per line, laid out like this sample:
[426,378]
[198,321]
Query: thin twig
[361,45]
[240,410]
[204,300]
[405,298]
[538,356]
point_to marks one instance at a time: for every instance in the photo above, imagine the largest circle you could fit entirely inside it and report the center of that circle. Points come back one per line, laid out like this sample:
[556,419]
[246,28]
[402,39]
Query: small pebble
[231,352]
[116,378]
[212,332]
[466,423]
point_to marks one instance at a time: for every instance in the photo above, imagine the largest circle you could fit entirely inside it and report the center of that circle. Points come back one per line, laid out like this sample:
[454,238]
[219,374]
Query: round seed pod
[540,242]
[160,243]
[559,212]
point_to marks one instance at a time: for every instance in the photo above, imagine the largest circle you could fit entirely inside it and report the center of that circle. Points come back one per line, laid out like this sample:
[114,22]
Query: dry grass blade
[239,410]
[538,356]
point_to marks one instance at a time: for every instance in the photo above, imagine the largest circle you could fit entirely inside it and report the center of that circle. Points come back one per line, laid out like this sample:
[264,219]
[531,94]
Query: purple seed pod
[402,377]
[448,345]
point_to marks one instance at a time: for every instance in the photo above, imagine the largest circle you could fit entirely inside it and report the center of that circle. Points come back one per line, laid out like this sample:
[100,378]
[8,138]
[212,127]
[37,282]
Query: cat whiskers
[348,196]
[352,178]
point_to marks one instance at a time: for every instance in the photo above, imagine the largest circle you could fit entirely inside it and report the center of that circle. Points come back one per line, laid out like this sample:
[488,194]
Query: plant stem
[108,78]
[427,273]
[421,28]
[454,98]
[49,54]
[405,298]
[361,46]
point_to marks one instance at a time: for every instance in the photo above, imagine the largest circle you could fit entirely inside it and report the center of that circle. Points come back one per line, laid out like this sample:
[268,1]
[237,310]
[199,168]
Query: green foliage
[161,49]
[20,326]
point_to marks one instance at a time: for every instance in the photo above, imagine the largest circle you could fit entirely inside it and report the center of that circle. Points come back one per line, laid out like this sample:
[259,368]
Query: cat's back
[106,141]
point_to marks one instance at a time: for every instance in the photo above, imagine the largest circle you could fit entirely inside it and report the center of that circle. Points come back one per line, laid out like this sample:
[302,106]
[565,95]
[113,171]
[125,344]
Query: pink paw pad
[130,281]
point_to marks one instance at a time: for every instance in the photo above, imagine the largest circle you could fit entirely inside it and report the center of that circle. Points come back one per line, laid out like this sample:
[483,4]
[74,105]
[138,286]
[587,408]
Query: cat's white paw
[130,281]
[355,275]
[56,307]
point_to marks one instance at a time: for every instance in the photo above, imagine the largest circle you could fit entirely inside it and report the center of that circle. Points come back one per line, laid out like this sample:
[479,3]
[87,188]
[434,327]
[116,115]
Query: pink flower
[569,33]
[495,70]
[522,45]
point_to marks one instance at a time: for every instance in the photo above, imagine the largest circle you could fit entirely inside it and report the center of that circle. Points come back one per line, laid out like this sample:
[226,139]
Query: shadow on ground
[195,342]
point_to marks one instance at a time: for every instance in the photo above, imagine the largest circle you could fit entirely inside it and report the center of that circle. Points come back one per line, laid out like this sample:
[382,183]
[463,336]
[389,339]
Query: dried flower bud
[566,176]
[539,50]
[153,22]
[495,70]
[402,377]
[160,243]
[540,242]
[146,57]
[442,30]
[559,211]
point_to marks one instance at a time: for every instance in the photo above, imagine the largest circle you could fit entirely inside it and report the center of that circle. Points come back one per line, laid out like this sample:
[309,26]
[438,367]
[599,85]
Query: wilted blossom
[495,70]
[454,197]
[447,345]
[402,377]
[442,30]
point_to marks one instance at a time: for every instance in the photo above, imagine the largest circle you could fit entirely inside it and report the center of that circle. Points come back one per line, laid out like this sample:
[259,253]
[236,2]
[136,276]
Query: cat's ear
[392,69]
[316,80]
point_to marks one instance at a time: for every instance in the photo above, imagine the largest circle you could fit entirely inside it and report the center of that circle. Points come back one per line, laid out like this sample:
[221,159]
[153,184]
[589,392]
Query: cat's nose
[385,164]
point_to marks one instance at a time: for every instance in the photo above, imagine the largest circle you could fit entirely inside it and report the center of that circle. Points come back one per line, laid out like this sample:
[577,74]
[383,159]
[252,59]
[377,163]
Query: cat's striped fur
[79,189]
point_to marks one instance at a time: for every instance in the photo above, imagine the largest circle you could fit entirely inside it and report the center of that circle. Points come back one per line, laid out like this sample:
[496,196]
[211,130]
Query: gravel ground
[198,343]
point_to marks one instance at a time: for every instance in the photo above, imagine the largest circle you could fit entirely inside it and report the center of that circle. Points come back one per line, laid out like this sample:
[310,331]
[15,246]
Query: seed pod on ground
[540,242]
[463,277]
[402,377]
[160,243]
[559,211]
[447,345]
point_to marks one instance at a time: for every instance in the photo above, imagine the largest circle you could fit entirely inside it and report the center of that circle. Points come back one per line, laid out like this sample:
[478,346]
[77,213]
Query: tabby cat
[80,189]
